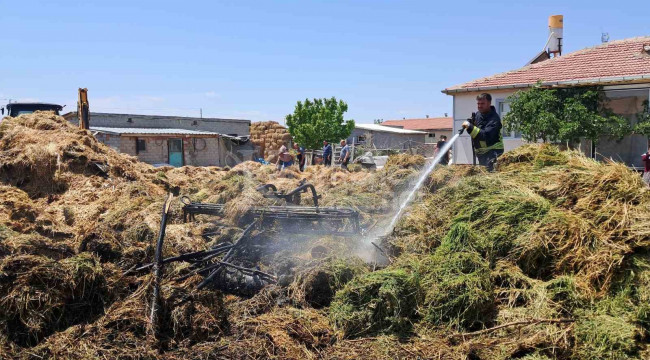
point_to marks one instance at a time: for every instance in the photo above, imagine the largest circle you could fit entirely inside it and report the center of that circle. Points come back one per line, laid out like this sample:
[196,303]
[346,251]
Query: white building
[621,67]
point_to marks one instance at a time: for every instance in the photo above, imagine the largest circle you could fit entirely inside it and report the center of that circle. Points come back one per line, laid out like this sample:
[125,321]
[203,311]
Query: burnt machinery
[292,197]
[293,218]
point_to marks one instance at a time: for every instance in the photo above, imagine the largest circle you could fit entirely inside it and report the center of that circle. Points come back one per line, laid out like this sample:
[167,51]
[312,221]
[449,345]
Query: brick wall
[155,149]
[197,151]
[203,151]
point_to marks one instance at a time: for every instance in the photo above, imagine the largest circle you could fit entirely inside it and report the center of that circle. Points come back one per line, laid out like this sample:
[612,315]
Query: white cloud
[212,94]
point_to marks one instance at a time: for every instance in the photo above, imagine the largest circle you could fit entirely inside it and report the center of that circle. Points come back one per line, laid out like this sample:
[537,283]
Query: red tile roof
[614,62]
[442,123]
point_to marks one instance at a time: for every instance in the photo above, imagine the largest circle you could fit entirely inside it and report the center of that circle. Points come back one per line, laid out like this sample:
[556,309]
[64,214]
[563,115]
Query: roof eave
[568,83]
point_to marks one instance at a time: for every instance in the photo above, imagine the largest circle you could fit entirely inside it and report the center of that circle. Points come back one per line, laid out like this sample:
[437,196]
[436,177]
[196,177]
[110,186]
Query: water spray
[420,181]
[411,195]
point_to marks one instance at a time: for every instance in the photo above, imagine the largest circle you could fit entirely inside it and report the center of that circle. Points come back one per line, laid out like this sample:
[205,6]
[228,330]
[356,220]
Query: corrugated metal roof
[388,129]
[148,131]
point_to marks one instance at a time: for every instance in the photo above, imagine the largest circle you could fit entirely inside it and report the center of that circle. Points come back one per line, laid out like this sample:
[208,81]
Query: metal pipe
[156,307]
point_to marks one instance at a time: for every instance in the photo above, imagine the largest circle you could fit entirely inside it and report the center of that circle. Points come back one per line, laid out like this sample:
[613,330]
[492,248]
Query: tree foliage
[318,120]
[642,126]
[563,115]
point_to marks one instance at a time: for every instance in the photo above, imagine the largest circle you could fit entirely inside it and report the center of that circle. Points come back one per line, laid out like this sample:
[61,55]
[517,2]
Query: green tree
[563,115]
[642,126]
[318,120]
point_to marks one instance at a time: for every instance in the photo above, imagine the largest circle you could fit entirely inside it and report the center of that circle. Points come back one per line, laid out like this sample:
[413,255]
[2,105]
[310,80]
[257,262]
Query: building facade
[385,137]
[434,127]
[233,127]
[175,141]
[621,68]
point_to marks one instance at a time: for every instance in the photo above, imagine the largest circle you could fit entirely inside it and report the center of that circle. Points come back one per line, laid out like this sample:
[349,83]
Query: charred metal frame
[269,191]
[298,219]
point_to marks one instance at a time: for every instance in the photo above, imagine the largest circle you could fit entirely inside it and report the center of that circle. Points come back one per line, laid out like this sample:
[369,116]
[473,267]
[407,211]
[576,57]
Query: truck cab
[18,108]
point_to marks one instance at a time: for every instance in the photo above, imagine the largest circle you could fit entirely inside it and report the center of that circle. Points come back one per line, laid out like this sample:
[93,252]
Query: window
[432,135]
[503,107]
[361,139]
[140,145]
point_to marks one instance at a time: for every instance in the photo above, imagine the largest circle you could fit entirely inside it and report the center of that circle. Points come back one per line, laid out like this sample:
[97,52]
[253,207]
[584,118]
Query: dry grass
[550,235]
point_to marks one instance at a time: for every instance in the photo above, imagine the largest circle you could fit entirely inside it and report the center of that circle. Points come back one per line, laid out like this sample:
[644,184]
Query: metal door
[175,147]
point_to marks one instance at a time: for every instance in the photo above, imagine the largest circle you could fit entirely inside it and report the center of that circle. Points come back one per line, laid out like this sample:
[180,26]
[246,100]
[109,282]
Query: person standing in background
[444,160]
[300,156]
[327,153]
[344,158]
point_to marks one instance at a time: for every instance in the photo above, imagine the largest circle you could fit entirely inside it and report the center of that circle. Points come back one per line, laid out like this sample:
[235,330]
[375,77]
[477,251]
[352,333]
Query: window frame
[138,149]
[513,134]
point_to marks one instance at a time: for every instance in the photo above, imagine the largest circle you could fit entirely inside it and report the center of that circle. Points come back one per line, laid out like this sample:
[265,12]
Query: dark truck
[18,108]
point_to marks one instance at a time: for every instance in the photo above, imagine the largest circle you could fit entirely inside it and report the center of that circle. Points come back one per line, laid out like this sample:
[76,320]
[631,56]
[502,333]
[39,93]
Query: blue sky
[254,60]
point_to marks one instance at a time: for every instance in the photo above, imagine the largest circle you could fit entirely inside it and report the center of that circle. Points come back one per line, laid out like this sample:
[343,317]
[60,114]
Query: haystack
[544,259]
[268,137]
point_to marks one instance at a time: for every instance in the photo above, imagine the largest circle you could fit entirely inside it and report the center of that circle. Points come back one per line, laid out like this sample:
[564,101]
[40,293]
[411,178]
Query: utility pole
[201,112]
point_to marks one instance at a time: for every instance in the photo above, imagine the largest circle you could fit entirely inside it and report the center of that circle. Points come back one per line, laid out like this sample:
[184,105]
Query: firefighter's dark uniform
[487,138]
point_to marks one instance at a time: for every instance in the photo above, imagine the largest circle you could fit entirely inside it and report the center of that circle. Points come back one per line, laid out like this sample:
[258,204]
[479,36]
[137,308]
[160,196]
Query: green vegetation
[547,237]
[378,302]
[563,115]
[318,120]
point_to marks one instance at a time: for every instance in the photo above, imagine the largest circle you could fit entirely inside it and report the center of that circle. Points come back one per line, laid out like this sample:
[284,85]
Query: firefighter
[486,132]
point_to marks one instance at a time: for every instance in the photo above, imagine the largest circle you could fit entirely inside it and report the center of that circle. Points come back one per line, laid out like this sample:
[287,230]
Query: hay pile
[269,136]
[553,247]
[75,215]
[551,252]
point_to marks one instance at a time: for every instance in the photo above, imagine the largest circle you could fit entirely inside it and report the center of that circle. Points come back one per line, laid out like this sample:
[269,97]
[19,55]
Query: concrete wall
[385,140]
[204,151]
[221,126]
[196,151]
[112,141]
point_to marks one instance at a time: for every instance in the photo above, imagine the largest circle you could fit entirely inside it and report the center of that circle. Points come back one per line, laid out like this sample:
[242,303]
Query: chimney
[555,34]
[604,37]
